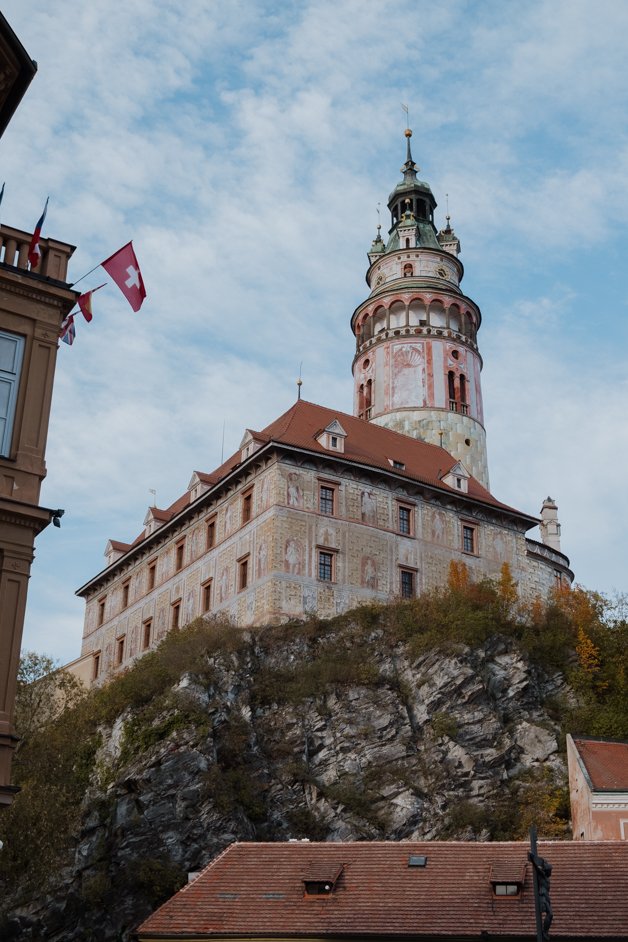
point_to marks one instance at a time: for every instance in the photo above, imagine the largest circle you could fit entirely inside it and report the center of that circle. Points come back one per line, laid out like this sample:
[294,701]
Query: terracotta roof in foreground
[257,890]
[606,762]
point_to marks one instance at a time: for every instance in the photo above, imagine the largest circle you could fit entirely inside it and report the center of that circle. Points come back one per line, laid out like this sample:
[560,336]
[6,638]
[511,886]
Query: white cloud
[244,147]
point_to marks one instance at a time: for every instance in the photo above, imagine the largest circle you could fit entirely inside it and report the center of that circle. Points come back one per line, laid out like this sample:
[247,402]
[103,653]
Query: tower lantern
[417,364]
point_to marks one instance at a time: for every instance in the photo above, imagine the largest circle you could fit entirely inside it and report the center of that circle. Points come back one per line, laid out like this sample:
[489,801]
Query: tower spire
[409,169]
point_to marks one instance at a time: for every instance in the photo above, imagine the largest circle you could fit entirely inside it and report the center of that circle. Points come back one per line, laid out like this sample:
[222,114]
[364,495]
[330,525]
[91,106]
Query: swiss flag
[122,266]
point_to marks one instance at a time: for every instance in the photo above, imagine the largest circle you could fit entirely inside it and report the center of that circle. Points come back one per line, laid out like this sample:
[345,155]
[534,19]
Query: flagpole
[85,275]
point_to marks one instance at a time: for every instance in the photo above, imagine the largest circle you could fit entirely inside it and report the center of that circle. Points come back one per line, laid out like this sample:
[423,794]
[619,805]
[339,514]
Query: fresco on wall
[223,585]
[189,606]
[368,507]
[293,557]
[295,491]
[438,526]
[263,493]
[230,518]
[262,559]
[368,570]
[408,382]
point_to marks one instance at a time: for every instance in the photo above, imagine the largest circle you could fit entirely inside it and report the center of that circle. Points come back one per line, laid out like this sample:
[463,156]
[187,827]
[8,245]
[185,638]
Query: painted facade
[322,511]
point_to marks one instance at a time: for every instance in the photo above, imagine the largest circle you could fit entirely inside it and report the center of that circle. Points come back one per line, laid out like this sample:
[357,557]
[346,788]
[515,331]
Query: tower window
[206,596]
[243,573]
[468,539]
[326,496]
[406,583]
[247,506]
[326,565]
[463,389]
[147,630]
[404,519]
[119,651]
[211,533]
[451,385]
[175,616]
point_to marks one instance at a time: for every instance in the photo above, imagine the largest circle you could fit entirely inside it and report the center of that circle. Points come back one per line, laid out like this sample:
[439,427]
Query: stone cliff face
[328,738]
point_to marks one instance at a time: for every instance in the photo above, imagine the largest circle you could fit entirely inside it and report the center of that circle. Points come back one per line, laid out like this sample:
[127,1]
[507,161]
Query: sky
[245,147]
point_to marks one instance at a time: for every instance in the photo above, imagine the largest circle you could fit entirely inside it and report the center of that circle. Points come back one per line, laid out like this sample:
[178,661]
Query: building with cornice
[321,511]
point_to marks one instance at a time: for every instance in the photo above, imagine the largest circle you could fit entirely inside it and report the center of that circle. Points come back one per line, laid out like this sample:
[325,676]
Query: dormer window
[507,878]
[321,880]
[399,465]
[332,437]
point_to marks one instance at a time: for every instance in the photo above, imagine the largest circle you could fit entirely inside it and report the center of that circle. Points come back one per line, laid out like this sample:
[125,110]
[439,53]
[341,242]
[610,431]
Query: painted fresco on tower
[293,556]
[368,571]
[408,375]
[368,507]
[262,559]
[295,490]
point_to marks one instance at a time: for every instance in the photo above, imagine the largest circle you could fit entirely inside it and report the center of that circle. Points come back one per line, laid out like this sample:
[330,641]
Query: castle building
[321,511]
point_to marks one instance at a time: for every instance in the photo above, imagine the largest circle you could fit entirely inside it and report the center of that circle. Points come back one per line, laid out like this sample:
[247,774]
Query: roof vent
[417,860]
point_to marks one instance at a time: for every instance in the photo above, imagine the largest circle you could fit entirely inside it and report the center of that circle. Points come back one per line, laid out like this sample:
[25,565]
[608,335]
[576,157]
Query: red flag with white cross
[123,268]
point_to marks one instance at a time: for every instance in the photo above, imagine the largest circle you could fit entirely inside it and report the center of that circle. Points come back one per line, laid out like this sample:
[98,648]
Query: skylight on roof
[417,860]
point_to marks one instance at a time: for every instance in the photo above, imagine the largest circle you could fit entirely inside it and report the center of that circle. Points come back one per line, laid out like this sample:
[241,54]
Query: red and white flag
[123,267]
[34,252]
[85,303]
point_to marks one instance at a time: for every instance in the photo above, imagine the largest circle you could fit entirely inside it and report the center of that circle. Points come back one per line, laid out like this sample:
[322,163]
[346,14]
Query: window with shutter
[11,353]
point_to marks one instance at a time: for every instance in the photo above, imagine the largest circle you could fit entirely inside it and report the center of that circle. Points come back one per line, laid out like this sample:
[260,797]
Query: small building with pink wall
[598,788]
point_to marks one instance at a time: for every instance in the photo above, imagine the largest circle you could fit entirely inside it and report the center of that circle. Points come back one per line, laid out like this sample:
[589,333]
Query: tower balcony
[14,244]
[461,407]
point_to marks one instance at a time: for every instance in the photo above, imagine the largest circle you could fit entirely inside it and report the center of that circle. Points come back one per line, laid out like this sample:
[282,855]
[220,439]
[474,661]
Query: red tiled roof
[372,445]
[366,443]
[606,763]
[256,890]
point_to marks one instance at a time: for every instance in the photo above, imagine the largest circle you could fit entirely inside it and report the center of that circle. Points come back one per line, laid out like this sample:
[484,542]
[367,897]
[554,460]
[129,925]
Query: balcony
[54,255]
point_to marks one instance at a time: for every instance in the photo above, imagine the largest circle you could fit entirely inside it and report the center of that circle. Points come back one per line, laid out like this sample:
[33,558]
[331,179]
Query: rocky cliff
[357,728]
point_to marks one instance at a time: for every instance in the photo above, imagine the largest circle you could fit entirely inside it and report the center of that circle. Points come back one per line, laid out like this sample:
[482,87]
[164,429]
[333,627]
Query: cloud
[244,147]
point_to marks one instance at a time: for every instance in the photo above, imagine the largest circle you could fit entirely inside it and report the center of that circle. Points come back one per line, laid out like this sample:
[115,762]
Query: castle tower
[417,365]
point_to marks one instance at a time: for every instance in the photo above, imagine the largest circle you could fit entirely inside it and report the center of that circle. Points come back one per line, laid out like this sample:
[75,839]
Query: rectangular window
[211,533]
[206,597]
[96,666]
[404,519]
[126,586]
[247,506]
[326,566]
[506,889]
[175,616]
[11,354]
[243,573]
[147,631]
[406,583]
[119,651]
[179,555]
[152,575]
[468,539]
[326,496]
[101,610]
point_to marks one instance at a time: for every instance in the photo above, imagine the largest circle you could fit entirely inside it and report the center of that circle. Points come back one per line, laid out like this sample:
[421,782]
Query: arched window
[437,314]
[417,314]
[361,401]
[463,389]
[454,318]
[451,382]
[368,398]
[407,270]
[397,314]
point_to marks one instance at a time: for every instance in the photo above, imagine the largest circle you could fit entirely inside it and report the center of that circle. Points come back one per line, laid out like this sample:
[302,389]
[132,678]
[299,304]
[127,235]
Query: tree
[44,691]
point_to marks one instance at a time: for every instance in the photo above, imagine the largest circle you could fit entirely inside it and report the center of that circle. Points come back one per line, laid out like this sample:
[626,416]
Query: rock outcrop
[328,738]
